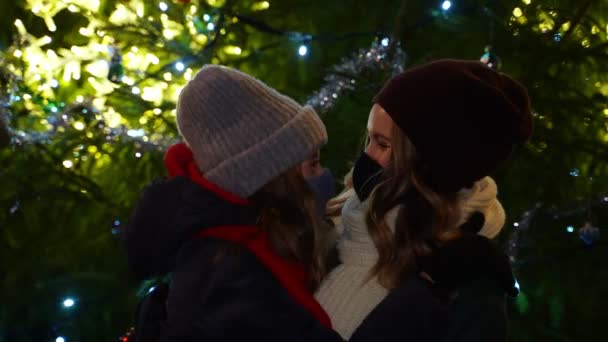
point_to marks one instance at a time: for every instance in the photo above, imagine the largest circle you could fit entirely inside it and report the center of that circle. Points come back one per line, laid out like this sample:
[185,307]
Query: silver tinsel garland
[380,56]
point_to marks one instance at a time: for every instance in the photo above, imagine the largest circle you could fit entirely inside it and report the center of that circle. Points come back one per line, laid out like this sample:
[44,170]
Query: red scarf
[293,276]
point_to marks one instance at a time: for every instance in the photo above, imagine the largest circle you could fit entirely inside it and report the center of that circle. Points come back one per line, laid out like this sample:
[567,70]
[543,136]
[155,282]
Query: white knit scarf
[346,293]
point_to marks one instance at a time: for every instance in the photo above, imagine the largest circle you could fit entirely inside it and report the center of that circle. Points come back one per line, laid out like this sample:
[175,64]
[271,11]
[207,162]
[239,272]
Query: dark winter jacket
[220,290]
[473,280]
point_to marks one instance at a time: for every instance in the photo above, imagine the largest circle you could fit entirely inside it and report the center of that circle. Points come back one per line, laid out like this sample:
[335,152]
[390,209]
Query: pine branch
[580,14]
[4,136]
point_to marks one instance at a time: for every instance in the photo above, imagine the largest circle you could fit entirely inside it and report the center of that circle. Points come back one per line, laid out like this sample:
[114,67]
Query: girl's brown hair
[288,213]
[424,218]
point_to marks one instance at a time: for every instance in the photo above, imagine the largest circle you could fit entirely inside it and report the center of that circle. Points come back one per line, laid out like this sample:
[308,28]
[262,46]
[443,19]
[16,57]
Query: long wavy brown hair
[425,218]
[288,213]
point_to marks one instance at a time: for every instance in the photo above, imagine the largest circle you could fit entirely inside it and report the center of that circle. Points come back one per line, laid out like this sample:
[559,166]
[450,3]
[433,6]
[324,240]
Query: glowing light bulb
[68,302]
[517,12]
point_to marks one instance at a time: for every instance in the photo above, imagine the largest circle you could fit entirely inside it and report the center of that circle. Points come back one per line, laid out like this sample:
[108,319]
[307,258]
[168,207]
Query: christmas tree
[87,107]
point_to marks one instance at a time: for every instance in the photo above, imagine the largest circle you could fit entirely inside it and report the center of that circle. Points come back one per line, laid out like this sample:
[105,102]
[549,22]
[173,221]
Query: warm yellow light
[51,54]
[517,12]
[79,125]
[167,76]
[188,74]
[233,50]
[20,27]
[586,43]
[216,3]
[140,12]
[157,111]
[595,29]
[152,59]
[152,94]
[522,20]
[50,24]
[85,32]
[566,26]
[71,71]
[260,6]
[169,34]
[178,90]
[79,98]
[546,26]
[128,80]
[606,111]
[527,2]
[68,164]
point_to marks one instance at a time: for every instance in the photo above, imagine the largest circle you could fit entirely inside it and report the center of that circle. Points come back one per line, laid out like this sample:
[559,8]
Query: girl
[236,224]
[435,133]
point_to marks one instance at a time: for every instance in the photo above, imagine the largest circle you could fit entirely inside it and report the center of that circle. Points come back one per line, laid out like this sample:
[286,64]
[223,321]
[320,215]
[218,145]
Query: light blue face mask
[324,188]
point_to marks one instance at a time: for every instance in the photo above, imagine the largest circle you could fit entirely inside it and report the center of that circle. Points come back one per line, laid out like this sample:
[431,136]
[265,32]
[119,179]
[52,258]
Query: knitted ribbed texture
[345,295]
[482,197]
[242,132]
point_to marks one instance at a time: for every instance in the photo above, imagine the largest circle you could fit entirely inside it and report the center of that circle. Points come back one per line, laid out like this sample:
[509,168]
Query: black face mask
[324,188]
[366,175]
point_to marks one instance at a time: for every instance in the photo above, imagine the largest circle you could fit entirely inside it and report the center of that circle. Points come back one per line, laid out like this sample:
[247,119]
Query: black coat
[472,281]
[219,291]
[413,312]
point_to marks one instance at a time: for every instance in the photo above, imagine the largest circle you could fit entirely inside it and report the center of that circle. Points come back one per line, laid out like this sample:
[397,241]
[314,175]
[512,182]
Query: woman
[435,133]
[236,225]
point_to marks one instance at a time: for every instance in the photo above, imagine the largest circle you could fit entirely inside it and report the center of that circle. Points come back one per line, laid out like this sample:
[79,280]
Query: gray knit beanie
[243,133]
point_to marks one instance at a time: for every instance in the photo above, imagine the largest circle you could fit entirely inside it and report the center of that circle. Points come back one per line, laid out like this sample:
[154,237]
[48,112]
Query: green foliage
[56,222]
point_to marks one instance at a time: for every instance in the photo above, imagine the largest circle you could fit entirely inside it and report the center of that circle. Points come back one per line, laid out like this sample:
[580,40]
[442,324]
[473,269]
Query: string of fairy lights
[35,75]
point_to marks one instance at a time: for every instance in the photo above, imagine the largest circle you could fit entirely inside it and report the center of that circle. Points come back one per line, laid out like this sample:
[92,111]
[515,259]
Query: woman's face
[379,128]
[311,167]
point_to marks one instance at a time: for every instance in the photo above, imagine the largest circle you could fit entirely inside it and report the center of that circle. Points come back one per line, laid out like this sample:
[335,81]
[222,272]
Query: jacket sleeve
[412,312]
[478,313]
[408,313]
[220,292]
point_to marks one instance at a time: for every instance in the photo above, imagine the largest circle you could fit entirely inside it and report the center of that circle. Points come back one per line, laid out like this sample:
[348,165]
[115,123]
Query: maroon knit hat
[463,118]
